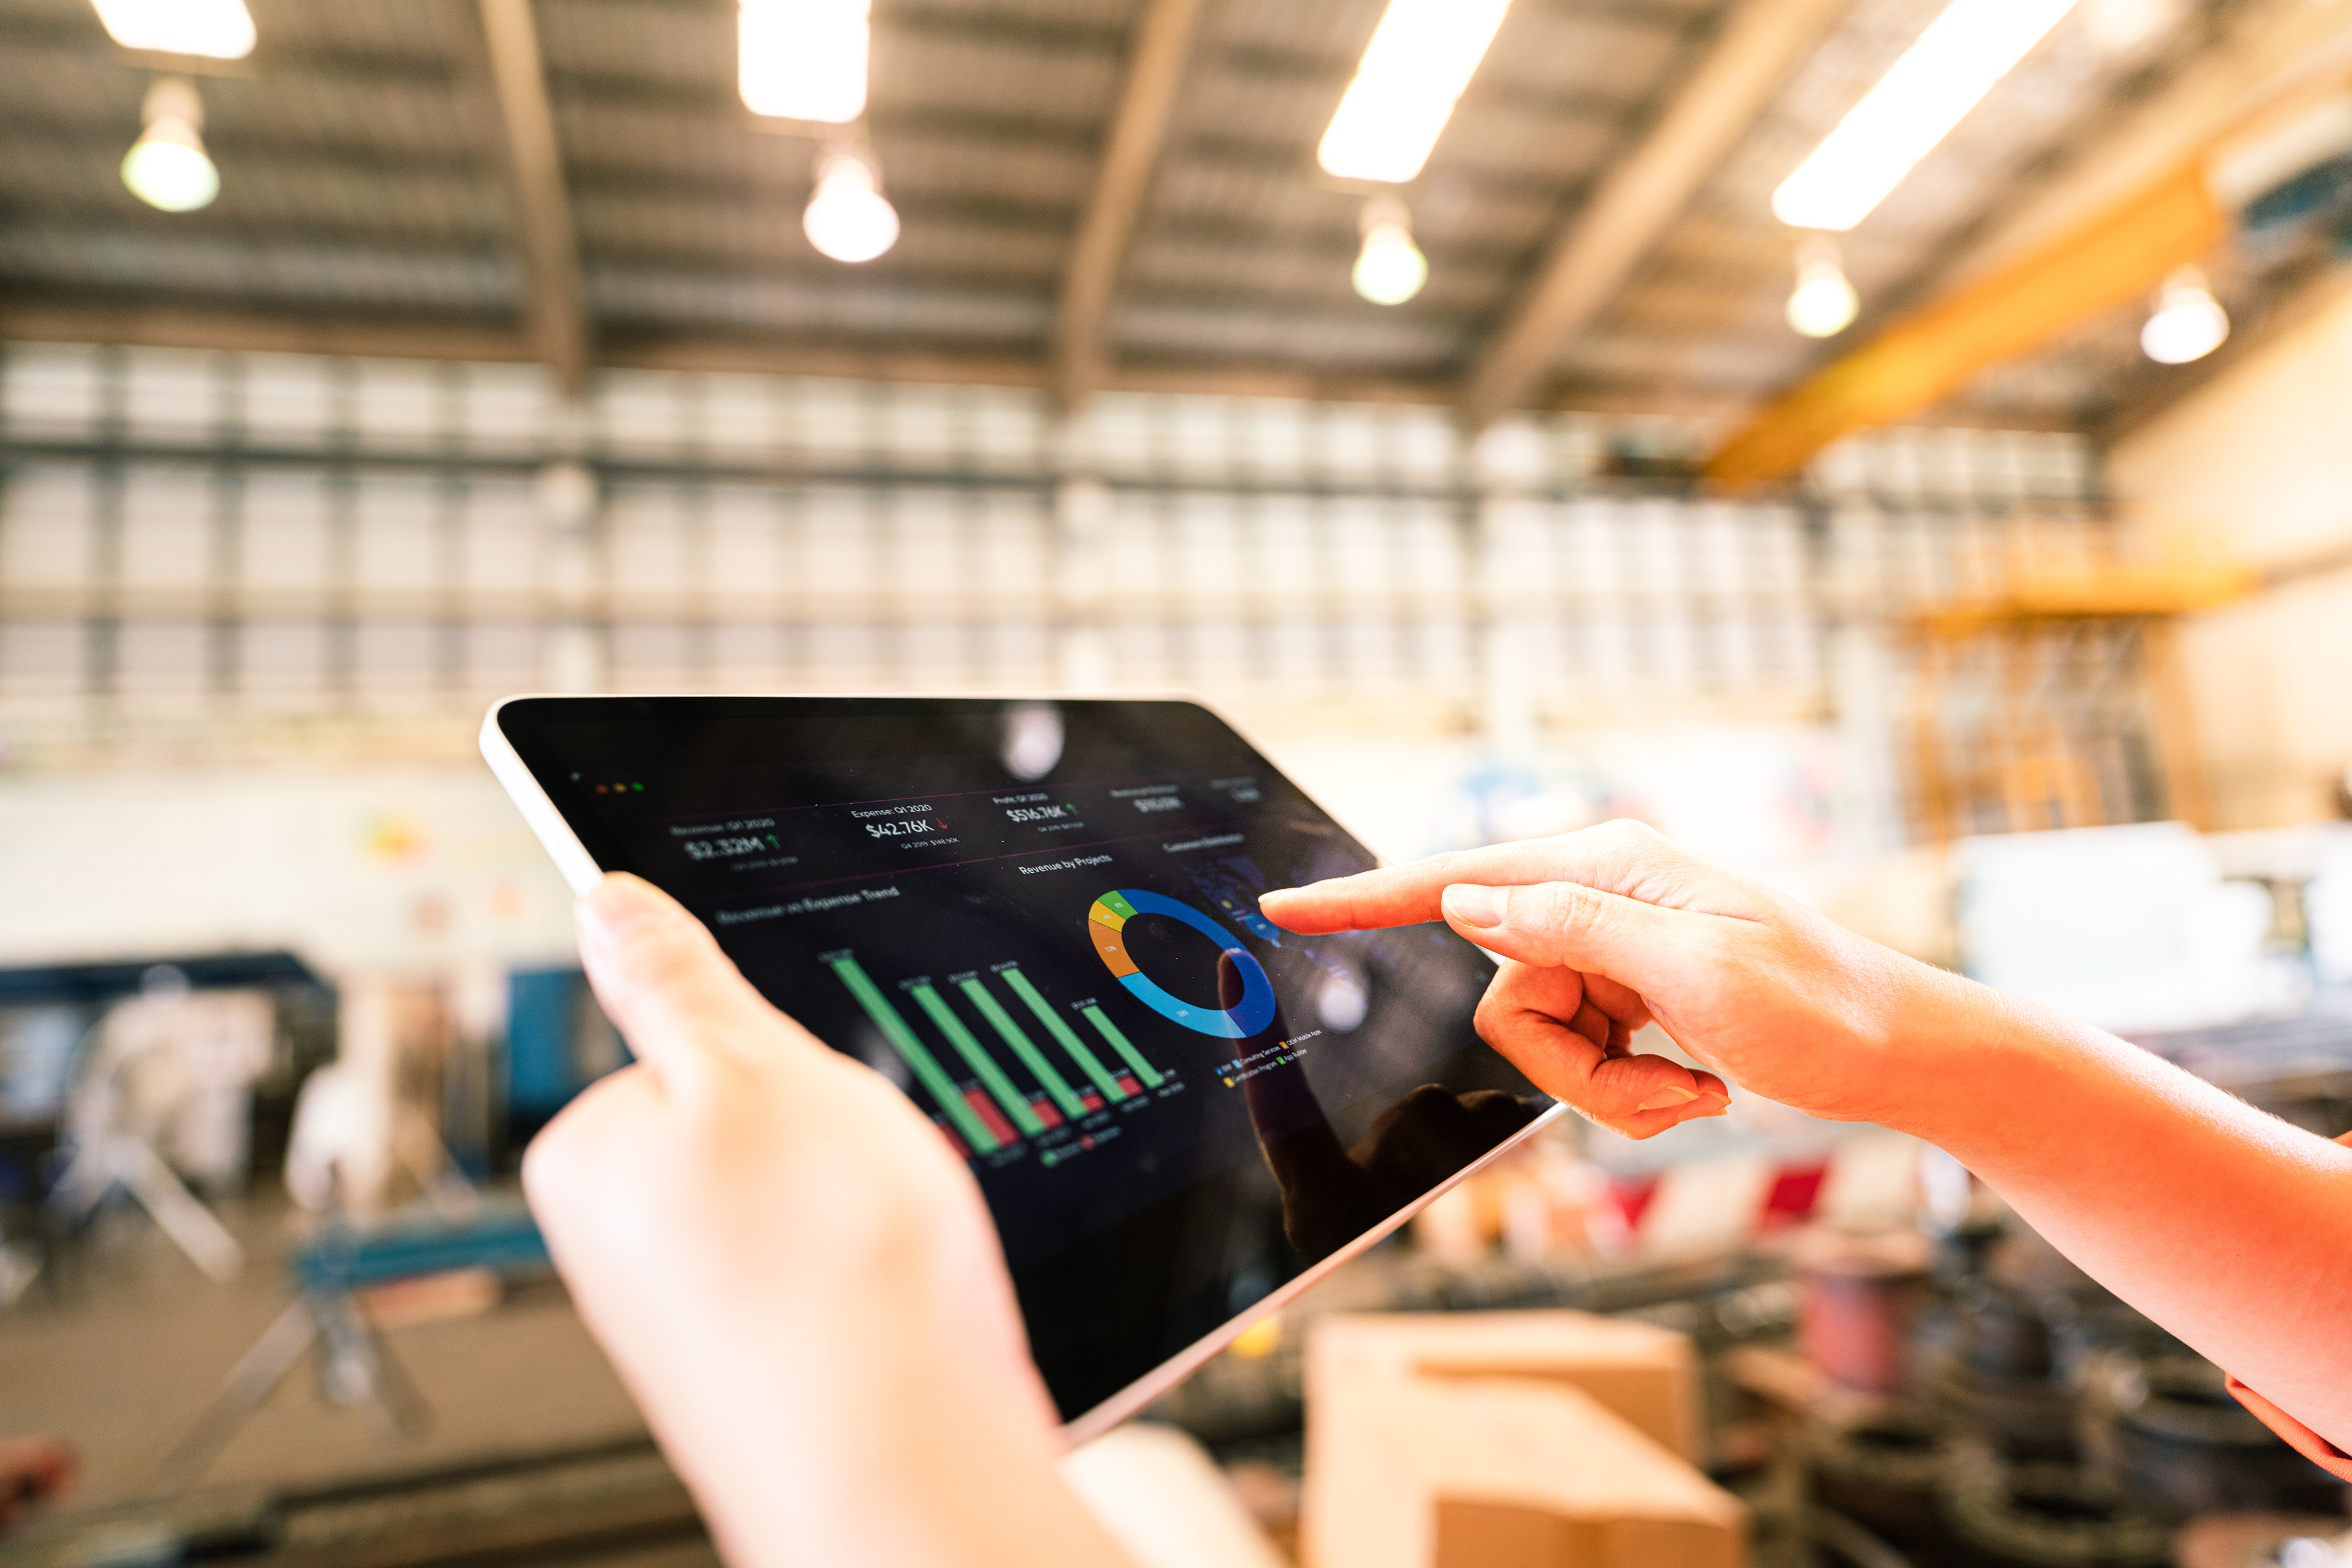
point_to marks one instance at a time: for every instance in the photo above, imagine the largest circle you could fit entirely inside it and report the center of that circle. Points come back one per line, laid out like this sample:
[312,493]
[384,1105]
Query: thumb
[1566,925]
[663,981]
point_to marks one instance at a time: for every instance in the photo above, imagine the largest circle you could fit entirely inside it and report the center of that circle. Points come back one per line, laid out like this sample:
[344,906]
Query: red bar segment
[990,1117]
[1047,1113]
[954,1143]
[1127,1085]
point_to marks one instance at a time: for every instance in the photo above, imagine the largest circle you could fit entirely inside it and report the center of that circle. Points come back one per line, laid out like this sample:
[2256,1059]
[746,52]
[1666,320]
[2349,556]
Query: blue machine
[558,1042]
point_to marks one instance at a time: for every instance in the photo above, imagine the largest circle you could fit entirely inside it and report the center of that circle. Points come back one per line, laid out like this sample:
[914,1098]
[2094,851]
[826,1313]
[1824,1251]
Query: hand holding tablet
[796,1277]
[1040,923]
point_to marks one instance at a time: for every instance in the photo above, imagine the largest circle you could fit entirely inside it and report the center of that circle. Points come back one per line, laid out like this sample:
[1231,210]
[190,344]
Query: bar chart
[1044,1079]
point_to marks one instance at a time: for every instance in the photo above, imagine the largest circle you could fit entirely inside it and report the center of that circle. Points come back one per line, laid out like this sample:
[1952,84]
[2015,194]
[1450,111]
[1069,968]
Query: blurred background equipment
[167,1072]
[1893,446]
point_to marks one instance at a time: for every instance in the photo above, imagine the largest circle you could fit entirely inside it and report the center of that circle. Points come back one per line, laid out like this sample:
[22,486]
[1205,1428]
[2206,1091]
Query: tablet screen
[1040,920]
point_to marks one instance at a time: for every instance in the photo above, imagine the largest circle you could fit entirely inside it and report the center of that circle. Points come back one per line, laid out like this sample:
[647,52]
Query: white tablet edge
[581,871]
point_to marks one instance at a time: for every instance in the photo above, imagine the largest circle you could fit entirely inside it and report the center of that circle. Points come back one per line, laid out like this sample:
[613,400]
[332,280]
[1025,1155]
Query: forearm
[2228,1226]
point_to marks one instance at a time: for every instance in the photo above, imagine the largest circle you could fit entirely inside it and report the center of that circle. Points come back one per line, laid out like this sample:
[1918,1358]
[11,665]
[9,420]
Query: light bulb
[1389,269]
[2188,322]
[847,218]
[167,167]
[1824,303]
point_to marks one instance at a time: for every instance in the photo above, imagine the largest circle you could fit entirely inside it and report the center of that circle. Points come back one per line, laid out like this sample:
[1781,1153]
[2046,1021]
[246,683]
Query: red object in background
[1857,1296]
[990,1116]
[1795,1190]
[34,1471]
[1631,1197]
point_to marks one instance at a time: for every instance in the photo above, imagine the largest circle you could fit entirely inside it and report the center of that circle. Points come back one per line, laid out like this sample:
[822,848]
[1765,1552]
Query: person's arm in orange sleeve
[2225,1225]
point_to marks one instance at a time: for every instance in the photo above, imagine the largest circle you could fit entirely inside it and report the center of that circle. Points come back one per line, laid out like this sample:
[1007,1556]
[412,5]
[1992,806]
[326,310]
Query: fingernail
[1467,904]
[1667,1098]
[615,905]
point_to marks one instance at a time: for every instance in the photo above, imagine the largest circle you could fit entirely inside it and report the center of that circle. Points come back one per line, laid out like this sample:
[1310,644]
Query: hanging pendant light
[1389,269]
[848,218]
[2186,322]
[168,167]
[1824,303]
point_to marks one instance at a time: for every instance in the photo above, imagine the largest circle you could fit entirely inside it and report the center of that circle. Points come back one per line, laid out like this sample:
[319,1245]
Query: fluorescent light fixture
[1823,302]
[2121,28]
[1915,105]
[804,59]
[220,29]
[1420,57]
[2188,322]
[167,167]
[847,218]
[1389,269]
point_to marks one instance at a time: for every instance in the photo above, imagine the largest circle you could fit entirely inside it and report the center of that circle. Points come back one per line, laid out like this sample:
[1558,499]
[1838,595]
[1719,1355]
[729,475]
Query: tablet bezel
[581,871]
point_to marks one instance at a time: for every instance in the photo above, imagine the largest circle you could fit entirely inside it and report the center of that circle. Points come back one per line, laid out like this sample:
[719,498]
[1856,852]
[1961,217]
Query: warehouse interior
[1898,449]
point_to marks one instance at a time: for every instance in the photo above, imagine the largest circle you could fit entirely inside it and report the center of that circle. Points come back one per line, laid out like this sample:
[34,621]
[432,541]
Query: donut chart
[1107,922]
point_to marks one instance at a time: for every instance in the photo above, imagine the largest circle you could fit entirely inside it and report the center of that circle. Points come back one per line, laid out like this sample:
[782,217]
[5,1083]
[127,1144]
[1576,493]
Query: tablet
[1039,918]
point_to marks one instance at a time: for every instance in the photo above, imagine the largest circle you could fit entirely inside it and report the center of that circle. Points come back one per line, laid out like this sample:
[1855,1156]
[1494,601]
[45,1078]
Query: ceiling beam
[1139,129]
[556,313]
[82,320]
[1588,260]
[157,325]
[749,354]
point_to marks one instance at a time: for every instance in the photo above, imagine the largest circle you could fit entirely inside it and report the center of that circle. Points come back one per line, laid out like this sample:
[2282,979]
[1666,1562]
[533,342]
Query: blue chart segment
[1107,922]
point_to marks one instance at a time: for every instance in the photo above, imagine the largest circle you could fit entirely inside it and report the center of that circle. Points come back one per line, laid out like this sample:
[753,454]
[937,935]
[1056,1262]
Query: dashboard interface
[1040,921]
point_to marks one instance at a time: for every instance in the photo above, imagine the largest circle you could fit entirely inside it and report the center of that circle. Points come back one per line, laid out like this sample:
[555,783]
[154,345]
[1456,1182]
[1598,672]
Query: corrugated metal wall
[189,537]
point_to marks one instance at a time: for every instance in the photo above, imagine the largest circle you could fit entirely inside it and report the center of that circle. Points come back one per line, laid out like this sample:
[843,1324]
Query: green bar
[983,1066]
[1024,1047]
[1062,1033]
[912,1049]
[1120,1043]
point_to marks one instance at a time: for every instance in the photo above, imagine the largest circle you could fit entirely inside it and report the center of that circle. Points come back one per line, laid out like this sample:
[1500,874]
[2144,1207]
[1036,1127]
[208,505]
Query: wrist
[1970,1068]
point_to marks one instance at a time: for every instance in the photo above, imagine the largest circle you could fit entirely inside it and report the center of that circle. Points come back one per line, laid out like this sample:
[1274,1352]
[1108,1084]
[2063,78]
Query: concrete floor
[130,1345]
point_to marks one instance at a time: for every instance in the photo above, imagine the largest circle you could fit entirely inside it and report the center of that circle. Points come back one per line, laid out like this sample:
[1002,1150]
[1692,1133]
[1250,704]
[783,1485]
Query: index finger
[1622,857]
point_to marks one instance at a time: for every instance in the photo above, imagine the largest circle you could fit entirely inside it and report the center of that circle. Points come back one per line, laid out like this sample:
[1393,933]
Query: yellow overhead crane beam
[2102,593]
[2119,254]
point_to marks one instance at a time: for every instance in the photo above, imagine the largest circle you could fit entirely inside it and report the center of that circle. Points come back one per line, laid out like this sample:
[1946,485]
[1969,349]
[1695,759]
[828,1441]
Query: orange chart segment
[1113,949]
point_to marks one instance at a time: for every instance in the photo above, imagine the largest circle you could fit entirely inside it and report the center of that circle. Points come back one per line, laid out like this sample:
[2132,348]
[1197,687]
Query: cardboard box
[1647,1375]
[1474,1473]
[1541,1439]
